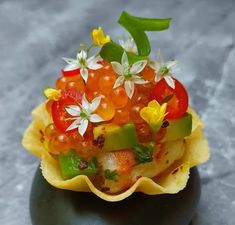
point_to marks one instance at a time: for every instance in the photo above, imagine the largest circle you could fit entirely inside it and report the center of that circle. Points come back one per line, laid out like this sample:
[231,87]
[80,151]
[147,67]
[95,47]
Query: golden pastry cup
[171,181]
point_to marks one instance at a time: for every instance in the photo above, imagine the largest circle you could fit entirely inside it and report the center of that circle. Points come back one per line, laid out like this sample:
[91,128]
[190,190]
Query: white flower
[83,63]
[129,45]
[164,70]
[83,113]
[128,75]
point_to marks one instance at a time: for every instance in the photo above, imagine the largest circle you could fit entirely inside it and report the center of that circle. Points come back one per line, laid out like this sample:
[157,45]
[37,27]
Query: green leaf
[110,175]
[112,51]
[141,41]
[145,24]
[136,27]
[143,153]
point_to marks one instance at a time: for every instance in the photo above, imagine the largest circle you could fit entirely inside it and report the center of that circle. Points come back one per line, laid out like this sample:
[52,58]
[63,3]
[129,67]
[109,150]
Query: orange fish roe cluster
[115,107]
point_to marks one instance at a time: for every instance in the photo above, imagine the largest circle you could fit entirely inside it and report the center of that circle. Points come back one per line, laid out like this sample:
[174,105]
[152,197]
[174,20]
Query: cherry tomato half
[177,99]
[70,73]
[58,112]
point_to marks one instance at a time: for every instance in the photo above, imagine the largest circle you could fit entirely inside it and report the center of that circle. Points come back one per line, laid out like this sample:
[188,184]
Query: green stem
[89,48]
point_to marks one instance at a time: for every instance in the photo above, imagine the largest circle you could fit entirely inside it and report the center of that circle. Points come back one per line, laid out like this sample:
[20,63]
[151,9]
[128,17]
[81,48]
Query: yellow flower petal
[163,109]
[145,114]
[154,104]
[52,94]
[154,114]
[99,37]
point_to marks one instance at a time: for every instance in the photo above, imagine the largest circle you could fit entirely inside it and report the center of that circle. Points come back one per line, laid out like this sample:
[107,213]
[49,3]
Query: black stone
[51,206]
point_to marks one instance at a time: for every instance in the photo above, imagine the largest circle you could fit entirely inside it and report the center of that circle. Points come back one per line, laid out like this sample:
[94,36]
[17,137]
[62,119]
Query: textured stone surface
[87,209]
[36,34]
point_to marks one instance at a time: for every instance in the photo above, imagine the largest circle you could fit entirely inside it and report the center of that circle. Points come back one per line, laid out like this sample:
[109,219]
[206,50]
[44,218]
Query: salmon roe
[59,143]
[106,83]
[122,116]
[93,79]
[115,107]
[106,109]
[119,97]
[135,113]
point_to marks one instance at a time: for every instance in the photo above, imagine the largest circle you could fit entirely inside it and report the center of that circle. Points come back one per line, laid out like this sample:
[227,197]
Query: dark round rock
[51,206]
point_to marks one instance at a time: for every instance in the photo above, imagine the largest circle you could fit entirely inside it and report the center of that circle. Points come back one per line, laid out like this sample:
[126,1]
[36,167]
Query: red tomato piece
[177,99]
[70,73]
[58,112]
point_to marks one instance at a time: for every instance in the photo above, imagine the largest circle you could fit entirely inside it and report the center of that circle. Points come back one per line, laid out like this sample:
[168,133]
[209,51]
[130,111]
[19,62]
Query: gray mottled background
[34,35]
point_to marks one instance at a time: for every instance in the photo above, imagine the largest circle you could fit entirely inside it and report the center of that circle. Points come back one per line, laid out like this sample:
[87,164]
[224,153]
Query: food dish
[117,122]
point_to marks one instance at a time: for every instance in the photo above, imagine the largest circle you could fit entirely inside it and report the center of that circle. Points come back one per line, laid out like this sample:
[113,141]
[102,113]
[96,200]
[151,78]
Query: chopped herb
[143,153]
[110,175]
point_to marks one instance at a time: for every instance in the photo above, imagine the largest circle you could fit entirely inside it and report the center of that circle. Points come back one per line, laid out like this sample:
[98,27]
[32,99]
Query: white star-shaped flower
[83,114]
[83,63]
[128,45]
[164,70]
[128,75]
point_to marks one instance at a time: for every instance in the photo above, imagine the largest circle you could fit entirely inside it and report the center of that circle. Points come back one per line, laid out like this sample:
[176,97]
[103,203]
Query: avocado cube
[179,128]
[71,165]
[116,137]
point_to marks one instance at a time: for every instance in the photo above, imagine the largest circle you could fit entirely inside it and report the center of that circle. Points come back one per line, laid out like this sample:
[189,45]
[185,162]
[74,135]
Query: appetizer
[117,121]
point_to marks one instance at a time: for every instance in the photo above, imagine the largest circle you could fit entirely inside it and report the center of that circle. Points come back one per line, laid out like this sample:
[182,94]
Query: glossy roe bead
[106,109]
[119,97]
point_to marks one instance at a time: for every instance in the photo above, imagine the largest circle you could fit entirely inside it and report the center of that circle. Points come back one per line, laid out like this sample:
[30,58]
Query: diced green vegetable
[116,137]
[179,128]
[72,165]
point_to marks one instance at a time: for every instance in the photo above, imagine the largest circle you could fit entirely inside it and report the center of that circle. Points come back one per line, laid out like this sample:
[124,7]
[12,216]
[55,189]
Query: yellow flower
[154,114]
[52,93]
[99,37]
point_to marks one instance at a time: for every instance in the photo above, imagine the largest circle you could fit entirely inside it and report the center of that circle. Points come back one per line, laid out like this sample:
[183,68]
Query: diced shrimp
[125,160]
[122,162]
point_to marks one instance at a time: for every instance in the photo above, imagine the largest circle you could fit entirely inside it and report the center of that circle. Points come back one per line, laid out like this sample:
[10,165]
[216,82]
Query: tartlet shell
[170,181]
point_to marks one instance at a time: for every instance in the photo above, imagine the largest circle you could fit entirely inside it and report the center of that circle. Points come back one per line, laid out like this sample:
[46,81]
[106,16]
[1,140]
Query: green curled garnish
[136,26]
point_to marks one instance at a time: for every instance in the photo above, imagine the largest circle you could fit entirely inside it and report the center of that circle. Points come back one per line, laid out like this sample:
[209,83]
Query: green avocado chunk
[116,137]
[72,165]
[179,128]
